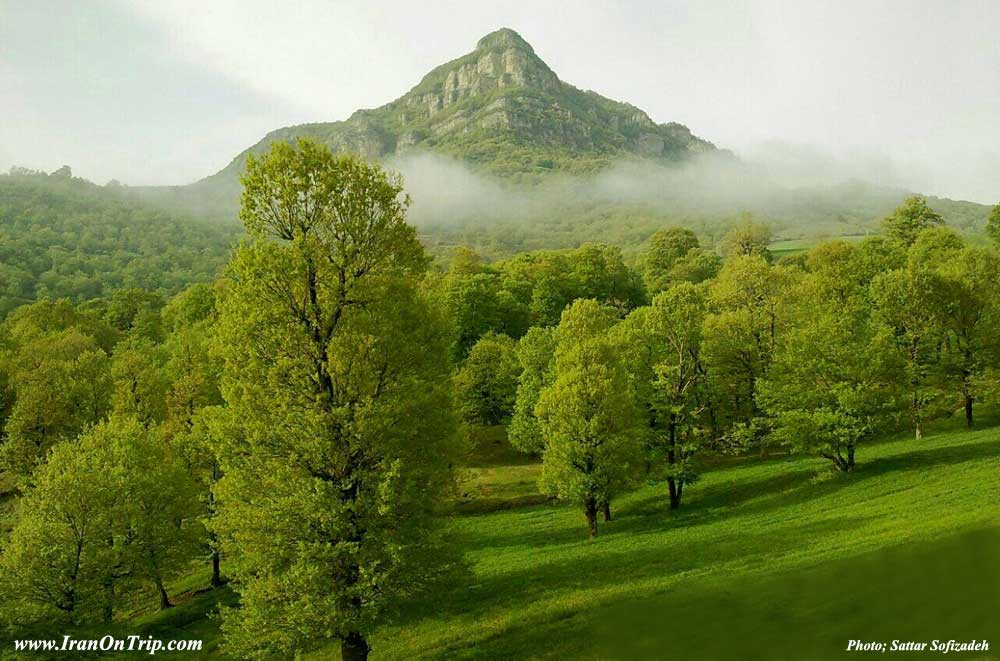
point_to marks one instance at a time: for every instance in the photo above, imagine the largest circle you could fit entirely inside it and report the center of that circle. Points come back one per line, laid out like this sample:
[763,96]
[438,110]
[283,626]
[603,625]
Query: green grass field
[767,560]
[775,559]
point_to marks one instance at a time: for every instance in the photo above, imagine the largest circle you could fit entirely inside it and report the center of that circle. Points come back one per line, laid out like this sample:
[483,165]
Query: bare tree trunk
[354,647]
[968,410]
[607,510]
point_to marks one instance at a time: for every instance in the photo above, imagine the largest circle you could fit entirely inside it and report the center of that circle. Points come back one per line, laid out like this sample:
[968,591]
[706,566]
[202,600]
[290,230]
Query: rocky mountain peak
[502,39]
[502,109]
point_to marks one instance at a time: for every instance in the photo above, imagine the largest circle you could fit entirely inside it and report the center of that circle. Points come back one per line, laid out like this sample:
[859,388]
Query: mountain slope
[504,110]
[64,237]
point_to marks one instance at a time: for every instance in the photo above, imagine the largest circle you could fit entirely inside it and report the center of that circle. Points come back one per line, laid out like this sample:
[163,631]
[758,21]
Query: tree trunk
[675,496]
[919,432]
[590,509]
[354,647]
[675,499]
[164,597]
[216,570]
[850,457]
[212,539]
[607,511]
[968,410]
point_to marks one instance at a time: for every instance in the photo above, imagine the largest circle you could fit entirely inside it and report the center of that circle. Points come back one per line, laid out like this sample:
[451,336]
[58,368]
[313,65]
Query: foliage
[336,371]
[62,237]
[57,378]
[909,219]
[486,383]
[745,320]
[535,353]
[661,345]
[586,417]
[748,238]
[831,385]
[106,515]
[993,223]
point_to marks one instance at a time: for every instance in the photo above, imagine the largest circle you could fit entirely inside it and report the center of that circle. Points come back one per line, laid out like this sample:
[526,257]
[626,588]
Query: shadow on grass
[607,562]
[721,500]
[942,589]
[613,563]
[489,505]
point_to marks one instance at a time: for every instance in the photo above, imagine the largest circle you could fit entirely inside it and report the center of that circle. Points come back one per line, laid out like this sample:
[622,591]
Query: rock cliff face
[503,110]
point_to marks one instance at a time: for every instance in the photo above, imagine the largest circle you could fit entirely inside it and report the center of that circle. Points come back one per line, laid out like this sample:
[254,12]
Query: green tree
[908,304]
[971,320]
[59,383]
[741,332]
[661,345]
[909,219]
[993,223]
[336,371]
[107,515]
[586,417]
[747,238]
[698,265]
[140,383]
[486,383]
[535,353]
[832,384]
[663,250]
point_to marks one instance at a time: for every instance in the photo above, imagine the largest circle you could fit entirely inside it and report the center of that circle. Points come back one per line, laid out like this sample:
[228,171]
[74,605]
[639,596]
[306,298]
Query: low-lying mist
[784,186]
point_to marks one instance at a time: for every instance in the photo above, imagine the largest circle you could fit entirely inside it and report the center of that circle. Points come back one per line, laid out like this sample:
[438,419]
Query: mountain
[482,136]
[501,109]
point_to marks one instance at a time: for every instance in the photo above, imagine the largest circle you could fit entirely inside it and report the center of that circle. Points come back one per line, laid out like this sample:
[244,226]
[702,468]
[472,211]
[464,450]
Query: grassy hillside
[767,560]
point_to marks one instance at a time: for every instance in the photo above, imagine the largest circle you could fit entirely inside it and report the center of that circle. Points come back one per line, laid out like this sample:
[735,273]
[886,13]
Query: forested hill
[64,237]
[501,109]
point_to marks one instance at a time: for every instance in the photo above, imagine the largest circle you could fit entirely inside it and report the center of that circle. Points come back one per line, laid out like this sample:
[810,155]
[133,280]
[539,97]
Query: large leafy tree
[486,383]
[661,345]
[535,353]
[56,379]
[194,417]
[908,305]
[970,316]
[336,371]
[745,320]
[107,515]
[909,219]
[587,419]
[833,380]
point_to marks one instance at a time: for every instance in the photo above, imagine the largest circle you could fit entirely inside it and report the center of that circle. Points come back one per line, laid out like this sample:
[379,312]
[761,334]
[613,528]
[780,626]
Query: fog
[164,93]
[771,181]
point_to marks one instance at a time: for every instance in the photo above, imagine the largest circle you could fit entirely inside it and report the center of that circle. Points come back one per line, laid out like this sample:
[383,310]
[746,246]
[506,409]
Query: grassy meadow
[774,559]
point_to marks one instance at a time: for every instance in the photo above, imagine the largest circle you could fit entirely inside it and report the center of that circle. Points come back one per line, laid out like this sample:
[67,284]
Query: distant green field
[786,247]
[777,559]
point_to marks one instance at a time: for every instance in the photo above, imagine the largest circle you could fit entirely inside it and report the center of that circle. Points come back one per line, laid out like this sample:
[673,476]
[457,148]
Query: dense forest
[294,426]
[64,237]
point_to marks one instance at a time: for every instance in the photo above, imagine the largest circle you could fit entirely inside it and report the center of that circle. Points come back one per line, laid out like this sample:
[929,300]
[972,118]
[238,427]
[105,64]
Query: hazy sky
[162,92]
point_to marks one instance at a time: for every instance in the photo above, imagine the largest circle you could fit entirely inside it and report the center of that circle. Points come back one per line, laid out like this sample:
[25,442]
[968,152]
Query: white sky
[166,92]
